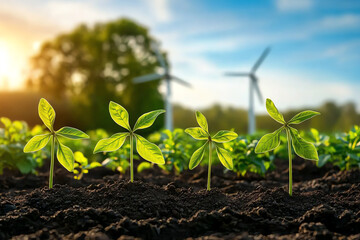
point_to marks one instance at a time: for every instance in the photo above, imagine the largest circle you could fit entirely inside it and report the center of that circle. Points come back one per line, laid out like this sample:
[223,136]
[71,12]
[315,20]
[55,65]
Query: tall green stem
[290,160]
[131,159]
[51,175]
[209,169]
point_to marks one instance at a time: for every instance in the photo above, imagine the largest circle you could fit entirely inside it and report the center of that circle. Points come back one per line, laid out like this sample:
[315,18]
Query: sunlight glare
[36,46]
[4,61]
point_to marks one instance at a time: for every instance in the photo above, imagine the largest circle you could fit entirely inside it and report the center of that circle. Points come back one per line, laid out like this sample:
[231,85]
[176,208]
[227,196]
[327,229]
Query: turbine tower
[168,78]
[254,86]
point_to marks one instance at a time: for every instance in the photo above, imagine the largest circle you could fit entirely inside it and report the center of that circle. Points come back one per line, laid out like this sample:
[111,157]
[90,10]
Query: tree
[93,65]
[348,117]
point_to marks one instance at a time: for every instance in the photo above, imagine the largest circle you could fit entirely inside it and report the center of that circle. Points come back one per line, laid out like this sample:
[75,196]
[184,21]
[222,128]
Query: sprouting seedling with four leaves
[64,154]
[146,149]
[202,133]
[301,147]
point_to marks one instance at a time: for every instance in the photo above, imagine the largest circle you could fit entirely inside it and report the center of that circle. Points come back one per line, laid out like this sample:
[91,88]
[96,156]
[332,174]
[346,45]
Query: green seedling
[202,133]
[82,166]
[146,149]
[64,154]
[301,147]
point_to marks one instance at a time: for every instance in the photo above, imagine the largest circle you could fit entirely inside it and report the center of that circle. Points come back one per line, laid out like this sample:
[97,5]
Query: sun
[11,66]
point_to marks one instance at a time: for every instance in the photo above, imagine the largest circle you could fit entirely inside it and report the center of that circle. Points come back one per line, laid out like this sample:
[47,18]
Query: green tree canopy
[93,65]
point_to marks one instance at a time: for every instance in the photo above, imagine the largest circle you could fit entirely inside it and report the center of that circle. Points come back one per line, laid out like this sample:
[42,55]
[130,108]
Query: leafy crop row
[176,148]
[151,152]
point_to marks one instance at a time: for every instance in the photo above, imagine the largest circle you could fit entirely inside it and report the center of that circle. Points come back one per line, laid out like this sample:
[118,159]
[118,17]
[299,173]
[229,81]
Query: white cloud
[340,22]
[343,52]
[73,13]
[161,9]
[293,5]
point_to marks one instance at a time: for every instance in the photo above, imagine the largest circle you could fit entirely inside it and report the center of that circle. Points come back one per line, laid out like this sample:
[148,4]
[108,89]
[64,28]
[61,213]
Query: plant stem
[290,160]
[131,159]
[209,169]
[51,175]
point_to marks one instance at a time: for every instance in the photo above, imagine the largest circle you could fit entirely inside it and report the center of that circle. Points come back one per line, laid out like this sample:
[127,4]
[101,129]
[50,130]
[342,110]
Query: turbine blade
[179,80]
[260,60]
[155,48]
[257,89]
[147,78]
[236,74]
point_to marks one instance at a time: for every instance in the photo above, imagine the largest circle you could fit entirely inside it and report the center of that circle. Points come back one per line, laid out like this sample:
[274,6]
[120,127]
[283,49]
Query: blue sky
[315,45]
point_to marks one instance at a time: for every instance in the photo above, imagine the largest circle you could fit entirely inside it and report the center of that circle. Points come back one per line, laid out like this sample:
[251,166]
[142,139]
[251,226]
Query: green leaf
[46,113]
[323,159]
[148,150]
[24,165]
[93,165]
[303,116]
[6,121]
[36,143]
[142,166]
[112,143]
[65,156]
[315,133]
[269,142]
[197,133]
[273,111]
[147,119]
[224,157]
[224,136]
[119,115]
[200,118]
[301,147]
[72,133]
[197,157]
[80,158]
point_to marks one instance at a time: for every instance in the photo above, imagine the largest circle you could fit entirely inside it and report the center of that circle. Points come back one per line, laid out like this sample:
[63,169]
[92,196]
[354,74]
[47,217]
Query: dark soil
[103,205]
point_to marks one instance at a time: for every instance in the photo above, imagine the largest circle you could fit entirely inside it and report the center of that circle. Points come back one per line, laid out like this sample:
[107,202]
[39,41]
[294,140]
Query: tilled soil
[325,205]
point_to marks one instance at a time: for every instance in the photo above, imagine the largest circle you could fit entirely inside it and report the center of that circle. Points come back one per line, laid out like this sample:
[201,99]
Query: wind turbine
[168,78]
[254,86]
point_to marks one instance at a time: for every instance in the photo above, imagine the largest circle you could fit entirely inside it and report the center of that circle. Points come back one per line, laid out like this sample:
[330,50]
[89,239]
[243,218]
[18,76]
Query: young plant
[202,133]
[301,147]
[82,166]
[146,149]
[64,154]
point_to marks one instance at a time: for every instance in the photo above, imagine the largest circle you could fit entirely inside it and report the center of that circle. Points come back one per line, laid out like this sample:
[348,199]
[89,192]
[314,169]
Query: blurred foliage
[340,149]
[333,118]
[245,159]
[93,65]
[119,159]
[23,105]
[177,148]
[13,138]
[82,165]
